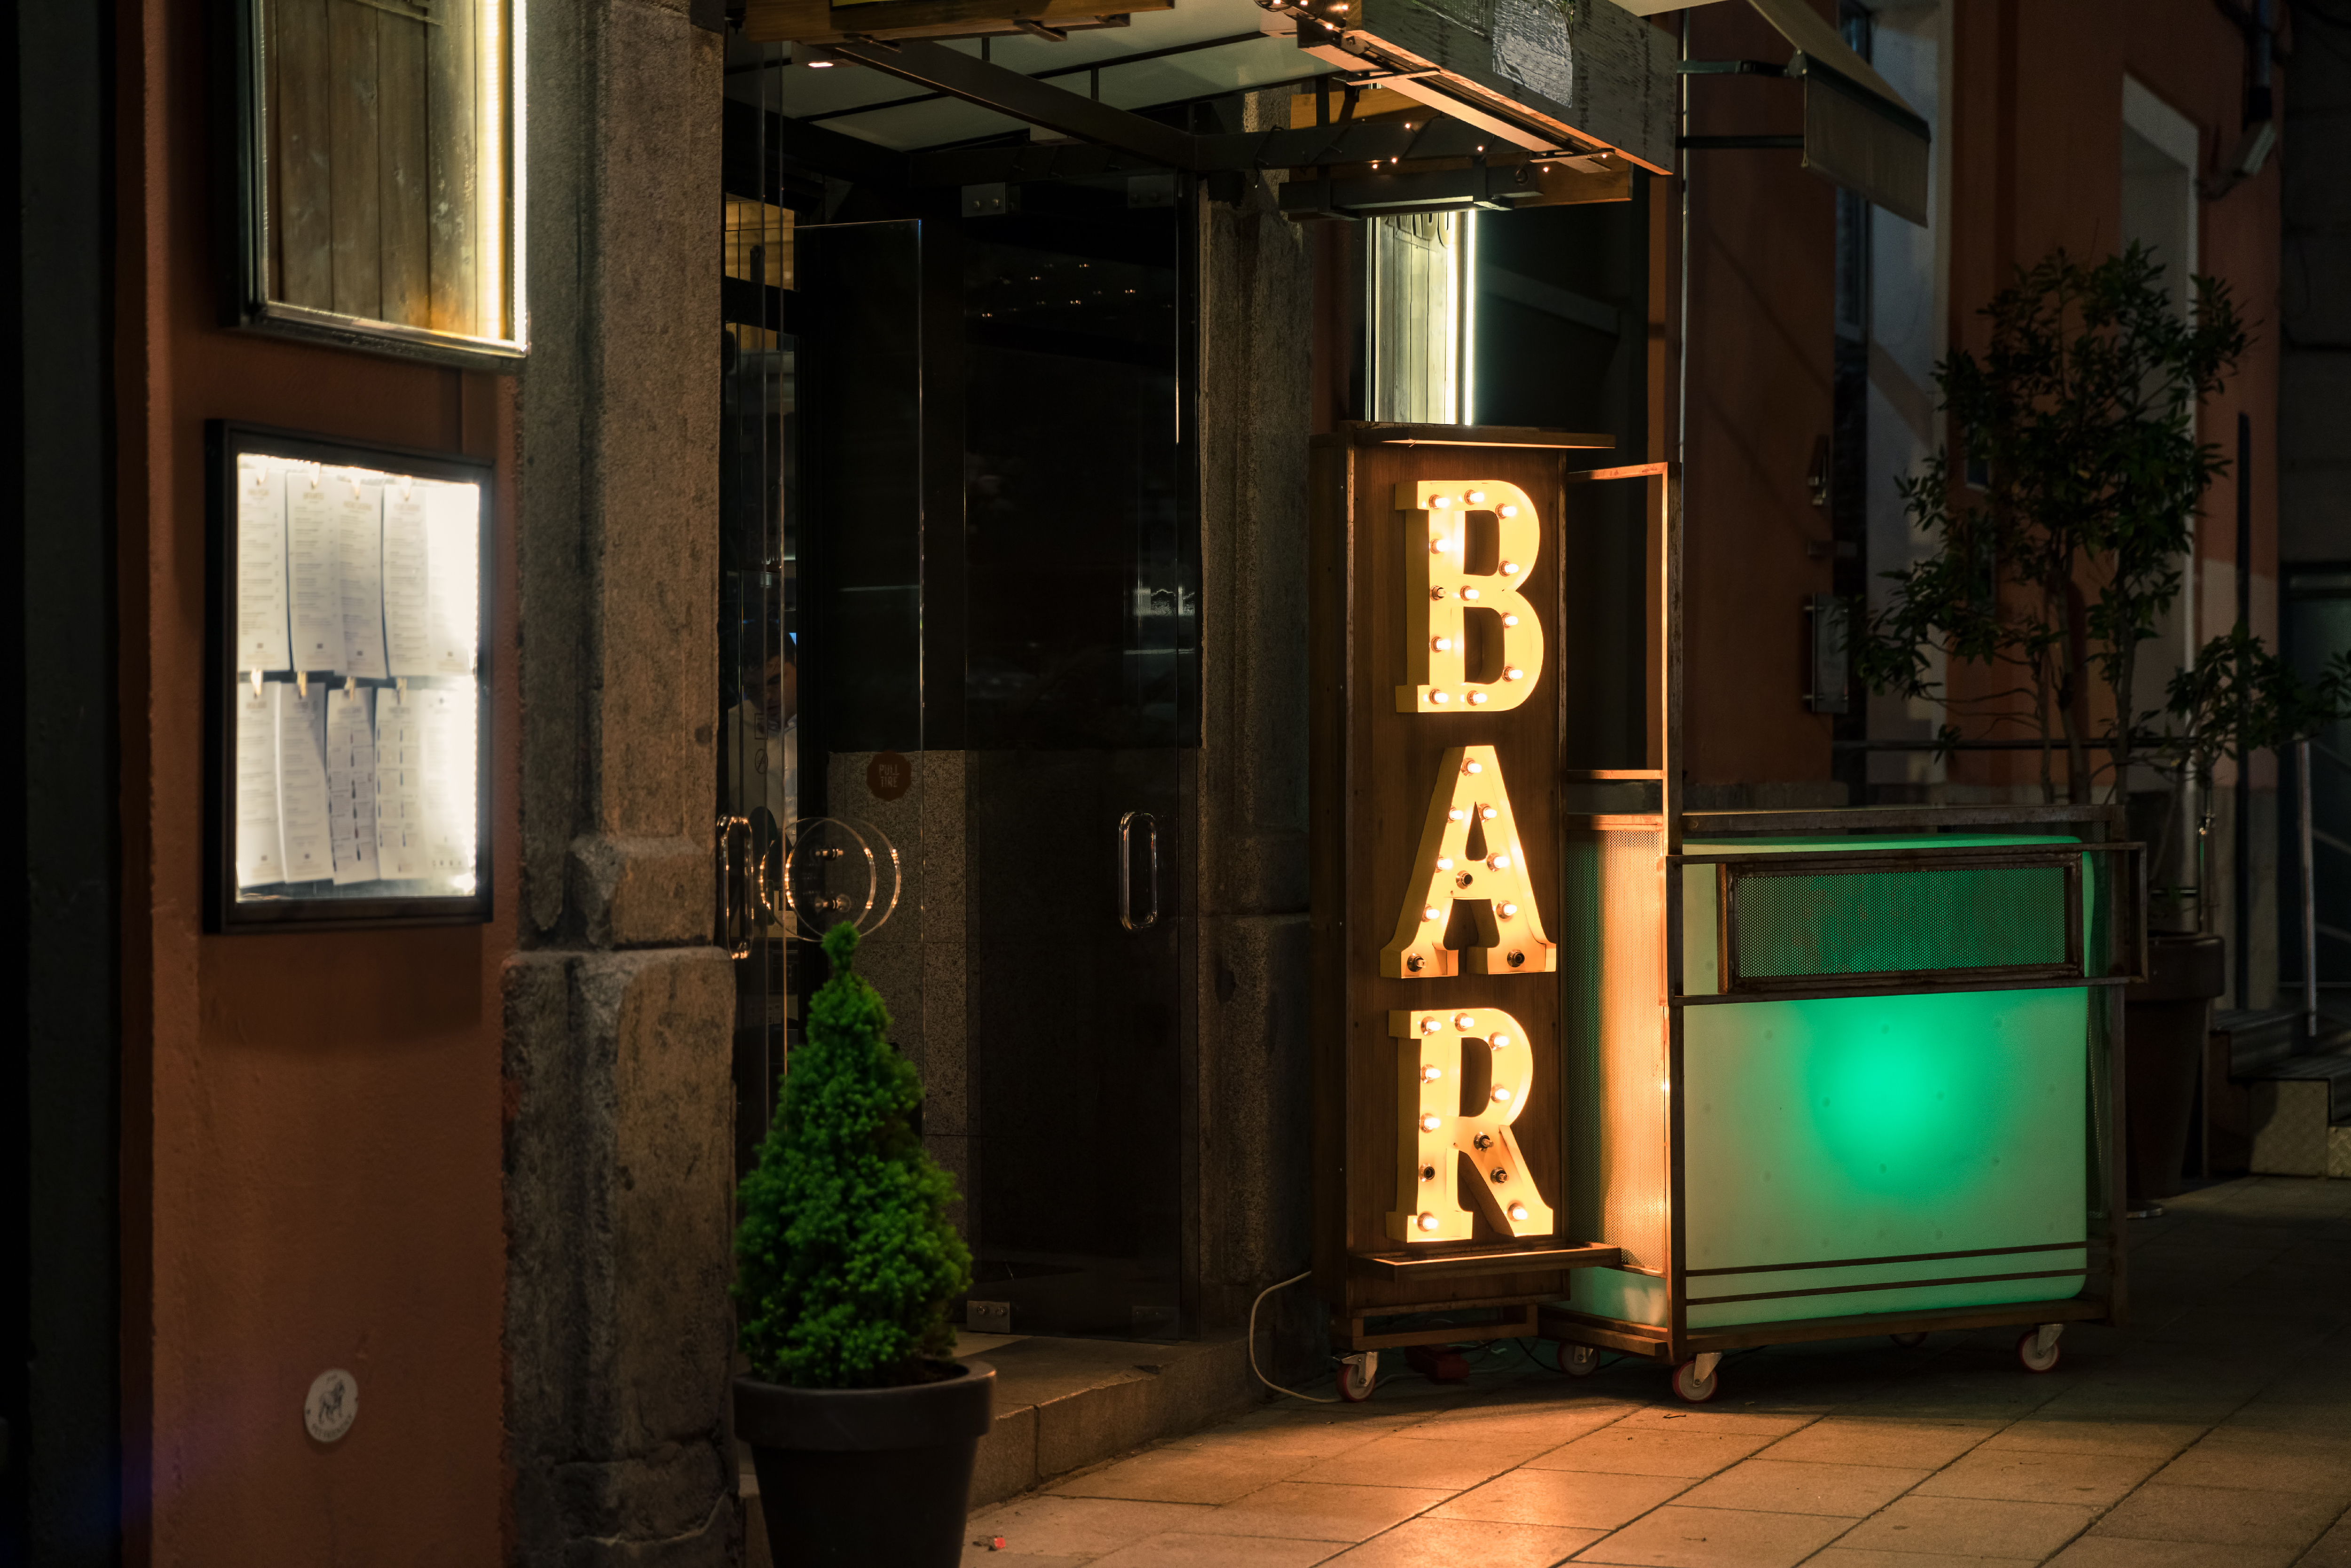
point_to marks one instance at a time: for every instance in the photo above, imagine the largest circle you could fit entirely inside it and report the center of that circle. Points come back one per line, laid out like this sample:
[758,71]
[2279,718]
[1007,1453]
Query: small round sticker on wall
[889,775]
[331,1406]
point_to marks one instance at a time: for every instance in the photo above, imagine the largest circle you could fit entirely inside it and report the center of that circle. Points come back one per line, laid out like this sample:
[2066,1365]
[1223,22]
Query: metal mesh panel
[1878,922]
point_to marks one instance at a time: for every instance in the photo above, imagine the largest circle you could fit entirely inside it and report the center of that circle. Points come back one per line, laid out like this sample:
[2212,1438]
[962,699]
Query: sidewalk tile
[1880,1440]
[1302,1511]
[1578,1498]
[1421,1543]
[2030,1475]
[2266,1460]
[2115,1551]
[1400,1461]
[1970,1527]
[1048,1526]
[1775,1486]
[1642,1451]
[2224,1516]
[1675,1537]
[1185,1549]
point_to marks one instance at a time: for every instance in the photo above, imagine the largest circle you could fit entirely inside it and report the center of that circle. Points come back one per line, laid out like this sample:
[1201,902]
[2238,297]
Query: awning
[1584,89]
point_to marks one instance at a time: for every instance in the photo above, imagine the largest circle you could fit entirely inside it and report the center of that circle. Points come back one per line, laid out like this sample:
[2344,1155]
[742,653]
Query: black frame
[225,440]
[241,158]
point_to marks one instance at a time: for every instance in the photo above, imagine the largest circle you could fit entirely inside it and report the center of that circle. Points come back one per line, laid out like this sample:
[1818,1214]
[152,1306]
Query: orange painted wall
[311,1123]
[2038,141]
[2033,126]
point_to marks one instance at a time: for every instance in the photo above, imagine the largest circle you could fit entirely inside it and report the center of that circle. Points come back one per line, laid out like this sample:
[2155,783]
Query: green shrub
[846,1263]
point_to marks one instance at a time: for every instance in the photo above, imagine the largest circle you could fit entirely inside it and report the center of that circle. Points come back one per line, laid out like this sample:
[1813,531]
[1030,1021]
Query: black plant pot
[868,1475]
[2165,1019]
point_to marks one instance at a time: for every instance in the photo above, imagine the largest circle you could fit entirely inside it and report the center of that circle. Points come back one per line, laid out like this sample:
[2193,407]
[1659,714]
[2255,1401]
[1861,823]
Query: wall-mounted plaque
[379,151]
[349,716]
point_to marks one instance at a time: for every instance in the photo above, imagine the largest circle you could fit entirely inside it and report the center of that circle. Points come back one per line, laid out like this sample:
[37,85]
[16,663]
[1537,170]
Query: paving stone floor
[2214,1430]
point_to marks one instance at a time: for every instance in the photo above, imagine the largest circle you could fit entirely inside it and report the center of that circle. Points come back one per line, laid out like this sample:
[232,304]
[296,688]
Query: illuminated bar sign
[1441,1145]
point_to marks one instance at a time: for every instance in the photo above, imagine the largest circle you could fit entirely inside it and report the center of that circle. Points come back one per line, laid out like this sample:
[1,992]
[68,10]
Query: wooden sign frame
[1377,776]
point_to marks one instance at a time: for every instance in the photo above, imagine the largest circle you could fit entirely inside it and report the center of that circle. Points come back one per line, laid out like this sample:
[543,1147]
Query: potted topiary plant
[863,1428]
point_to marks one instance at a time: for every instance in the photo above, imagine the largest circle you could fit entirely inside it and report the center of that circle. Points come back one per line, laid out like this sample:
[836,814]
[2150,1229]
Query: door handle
[1126,869]
[734,920]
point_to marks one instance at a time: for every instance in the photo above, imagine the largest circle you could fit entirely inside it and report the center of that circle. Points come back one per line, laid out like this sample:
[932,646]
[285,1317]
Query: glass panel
[1082,617]
[384,131]
[1418,262]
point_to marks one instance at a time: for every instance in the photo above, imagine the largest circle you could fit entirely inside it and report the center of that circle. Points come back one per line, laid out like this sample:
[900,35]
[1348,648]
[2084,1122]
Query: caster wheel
[1692,1387]
[1579,1360]
[1356,1376]
[2033,1358]
[1908,1341]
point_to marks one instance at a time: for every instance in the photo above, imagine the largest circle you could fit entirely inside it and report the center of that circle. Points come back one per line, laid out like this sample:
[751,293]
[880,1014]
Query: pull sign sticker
[1436,1132]
[1447,601]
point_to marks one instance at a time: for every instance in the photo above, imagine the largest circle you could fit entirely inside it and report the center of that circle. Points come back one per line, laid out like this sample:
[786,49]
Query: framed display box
[376,145]
[348,707]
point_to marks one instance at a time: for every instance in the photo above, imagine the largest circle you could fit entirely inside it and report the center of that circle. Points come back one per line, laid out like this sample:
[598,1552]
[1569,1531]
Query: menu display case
[348,713]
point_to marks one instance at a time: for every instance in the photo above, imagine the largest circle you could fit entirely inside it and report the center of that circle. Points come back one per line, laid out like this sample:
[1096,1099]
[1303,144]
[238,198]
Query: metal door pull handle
[1126,869]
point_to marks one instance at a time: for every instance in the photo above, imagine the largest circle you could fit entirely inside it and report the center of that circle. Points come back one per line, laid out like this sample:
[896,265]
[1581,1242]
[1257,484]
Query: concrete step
[2257,1040]
[2300,1116]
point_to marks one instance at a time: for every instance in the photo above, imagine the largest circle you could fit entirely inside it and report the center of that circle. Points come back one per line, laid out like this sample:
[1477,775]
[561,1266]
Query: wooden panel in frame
[375,146]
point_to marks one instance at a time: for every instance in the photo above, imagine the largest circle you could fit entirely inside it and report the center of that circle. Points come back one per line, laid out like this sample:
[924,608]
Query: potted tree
[2058,544]
[864,1428]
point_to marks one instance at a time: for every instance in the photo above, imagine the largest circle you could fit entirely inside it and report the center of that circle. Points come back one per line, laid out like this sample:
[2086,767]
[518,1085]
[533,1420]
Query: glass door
[997,549]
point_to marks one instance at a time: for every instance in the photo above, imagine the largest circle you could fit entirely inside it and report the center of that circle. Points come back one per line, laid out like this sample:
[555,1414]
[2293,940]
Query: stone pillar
[618,1012]
[1257,292]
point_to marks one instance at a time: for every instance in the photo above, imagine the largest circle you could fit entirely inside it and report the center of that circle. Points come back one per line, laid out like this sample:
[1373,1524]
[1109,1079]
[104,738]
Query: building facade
[827,489]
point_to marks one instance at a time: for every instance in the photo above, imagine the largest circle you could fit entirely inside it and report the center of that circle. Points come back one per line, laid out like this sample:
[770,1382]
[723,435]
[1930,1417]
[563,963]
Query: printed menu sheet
[261,568]
[355,784]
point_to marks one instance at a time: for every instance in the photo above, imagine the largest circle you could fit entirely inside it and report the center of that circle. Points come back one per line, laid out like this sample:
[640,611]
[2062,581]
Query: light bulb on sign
[1487,813]
[1506,910]
[1499,1041]
[1437,698]
[1508,511]
[1510,569]
[1514,673]
[1509,620]
[1427,1222]
[1477,498]
[1457,814]
[1499,862]
[1430,1123]
[1428,1025]
[1445,862]
[1502,1096]
[1442,645]
[1468,593]
[1473,766]
[1477,699]
[1430,1072]
[1465,1021]
[1428,911]
[1518,1211]
[1440,502]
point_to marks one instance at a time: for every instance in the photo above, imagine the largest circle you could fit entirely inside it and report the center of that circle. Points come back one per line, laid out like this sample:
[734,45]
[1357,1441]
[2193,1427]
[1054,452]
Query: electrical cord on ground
[1261,1377]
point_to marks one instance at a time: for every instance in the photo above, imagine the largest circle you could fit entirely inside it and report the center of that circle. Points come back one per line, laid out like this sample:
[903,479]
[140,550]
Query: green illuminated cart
[1832,1073]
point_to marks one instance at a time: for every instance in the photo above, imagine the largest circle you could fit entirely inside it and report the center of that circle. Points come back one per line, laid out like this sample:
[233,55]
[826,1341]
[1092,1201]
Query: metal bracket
[2044,1338]
[1702,1366]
